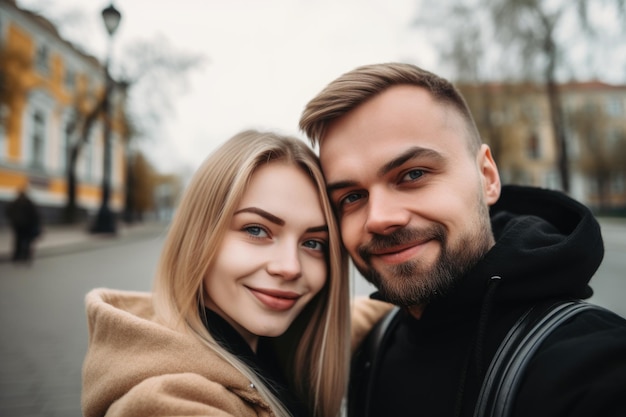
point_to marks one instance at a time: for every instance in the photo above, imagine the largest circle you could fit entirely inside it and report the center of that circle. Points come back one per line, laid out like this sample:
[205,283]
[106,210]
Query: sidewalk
[59,239]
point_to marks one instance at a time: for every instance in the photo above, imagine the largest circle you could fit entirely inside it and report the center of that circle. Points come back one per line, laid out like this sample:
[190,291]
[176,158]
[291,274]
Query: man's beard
[414,282]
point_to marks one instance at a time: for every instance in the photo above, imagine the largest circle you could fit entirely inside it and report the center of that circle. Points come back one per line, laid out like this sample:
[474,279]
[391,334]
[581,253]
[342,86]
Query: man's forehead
[391,121]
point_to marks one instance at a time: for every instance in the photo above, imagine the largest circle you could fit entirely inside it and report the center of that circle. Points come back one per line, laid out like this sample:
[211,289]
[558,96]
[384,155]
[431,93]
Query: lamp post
[105,220]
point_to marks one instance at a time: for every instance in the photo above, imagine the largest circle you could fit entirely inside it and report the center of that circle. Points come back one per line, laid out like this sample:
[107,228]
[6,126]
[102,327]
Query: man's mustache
[399,237]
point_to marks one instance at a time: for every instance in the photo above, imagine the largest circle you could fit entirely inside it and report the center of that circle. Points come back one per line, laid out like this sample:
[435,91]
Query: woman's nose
[286,262]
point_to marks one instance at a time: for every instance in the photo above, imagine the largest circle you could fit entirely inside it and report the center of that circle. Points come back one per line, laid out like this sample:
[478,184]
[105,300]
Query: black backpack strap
[365,365]
[516,350]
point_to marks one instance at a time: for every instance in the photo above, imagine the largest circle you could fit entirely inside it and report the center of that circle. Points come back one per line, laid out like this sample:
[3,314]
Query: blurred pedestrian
[471,265]
[249,313]
[25,222]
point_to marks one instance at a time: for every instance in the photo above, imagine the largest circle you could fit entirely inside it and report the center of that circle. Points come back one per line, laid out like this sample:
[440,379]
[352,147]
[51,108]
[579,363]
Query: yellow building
[515,120]
[50,93]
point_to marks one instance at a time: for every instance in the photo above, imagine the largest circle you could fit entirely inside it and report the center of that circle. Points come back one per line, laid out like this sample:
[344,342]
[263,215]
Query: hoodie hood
[547,246]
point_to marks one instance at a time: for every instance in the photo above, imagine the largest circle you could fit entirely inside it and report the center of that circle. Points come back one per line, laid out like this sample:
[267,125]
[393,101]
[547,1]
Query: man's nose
[286,262]
[385,214]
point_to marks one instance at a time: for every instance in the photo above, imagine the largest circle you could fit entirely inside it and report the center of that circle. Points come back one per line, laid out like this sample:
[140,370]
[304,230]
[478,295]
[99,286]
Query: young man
[426,220]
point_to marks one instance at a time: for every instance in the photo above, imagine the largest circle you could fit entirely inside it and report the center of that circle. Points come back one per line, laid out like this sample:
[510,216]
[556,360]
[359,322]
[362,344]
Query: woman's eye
[413,175]
[315,245]
[255,231]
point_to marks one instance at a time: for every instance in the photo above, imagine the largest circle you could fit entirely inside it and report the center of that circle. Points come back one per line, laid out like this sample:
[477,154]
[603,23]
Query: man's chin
[398,290]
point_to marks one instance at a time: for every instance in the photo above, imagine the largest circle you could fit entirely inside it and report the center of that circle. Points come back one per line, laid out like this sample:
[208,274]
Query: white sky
[264,58]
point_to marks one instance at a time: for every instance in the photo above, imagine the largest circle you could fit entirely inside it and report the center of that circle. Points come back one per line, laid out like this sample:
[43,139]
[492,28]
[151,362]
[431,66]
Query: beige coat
[137,367]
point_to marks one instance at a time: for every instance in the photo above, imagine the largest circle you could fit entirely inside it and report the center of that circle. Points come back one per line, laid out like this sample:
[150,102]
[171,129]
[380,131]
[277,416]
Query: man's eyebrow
[270,217]
[411,153]
[330,187]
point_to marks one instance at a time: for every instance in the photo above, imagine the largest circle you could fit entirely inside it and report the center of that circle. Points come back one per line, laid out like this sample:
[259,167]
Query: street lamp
[105,220]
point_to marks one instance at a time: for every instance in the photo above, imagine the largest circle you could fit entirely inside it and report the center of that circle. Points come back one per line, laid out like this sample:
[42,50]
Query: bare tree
[149,68]
[154,72]
[462,34]
[532,28]
[521,40]
[78,129]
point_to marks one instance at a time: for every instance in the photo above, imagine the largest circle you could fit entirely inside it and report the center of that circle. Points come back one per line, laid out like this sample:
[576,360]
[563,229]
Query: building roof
[534,87]
[51,28]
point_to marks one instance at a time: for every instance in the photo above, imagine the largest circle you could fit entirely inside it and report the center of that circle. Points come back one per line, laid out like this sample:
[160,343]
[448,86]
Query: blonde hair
[362,83]
[318,341]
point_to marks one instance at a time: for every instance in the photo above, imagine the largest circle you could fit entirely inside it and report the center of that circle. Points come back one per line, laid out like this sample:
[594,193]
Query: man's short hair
[359,85]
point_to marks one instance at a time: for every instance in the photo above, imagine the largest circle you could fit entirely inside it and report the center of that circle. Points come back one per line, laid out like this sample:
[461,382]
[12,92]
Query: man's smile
[400,254]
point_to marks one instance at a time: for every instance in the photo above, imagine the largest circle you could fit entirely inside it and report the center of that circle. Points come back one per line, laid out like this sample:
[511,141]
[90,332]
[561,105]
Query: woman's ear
[489,175]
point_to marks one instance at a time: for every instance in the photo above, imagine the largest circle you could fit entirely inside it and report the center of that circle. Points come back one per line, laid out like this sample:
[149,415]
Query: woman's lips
[275,299]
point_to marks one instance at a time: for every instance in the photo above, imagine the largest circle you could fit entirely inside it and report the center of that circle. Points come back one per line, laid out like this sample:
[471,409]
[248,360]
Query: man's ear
[489,175]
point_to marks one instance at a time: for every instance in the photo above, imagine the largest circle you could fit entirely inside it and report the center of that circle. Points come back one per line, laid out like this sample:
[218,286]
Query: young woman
[250,307]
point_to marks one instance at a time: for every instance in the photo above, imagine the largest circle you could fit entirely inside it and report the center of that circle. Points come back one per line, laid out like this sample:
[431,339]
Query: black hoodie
[548,247]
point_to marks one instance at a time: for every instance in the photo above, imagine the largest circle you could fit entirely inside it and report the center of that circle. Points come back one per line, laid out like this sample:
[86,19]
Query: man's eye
[413,175]
[351,198]
[255,231]
[315,245]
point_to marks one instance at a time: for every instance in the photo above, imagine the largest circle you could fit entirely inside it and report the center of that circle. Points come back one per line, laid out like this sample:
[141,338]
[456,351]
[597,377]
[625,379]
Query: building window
[38,140]
[617,184]
[533,146]
[88,149]
[92,155]
[36,134]
[614,106]
[4,118]
[70,77]
[42,58]
[552,180]
[66,145]
[613,137]
[590,107]
[4,26]
[3,143]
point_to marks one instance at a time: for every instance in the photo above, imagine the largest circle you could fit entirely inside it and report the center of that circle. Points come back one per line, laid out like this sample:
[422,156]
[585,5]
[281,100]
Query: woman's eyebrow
[278,220]
[323,228]
[270,217]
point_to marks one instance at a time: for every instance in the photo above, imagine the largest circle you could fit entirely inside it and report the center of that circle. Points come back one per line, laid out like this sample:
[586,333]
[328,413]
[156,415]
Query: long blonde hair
[317,343]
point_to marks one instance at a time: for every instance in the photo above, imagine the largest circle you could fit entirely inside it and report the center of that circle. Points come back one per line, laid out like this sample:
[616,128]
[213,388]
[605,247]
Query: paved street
[44,330]
[609,283]
[42,319]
